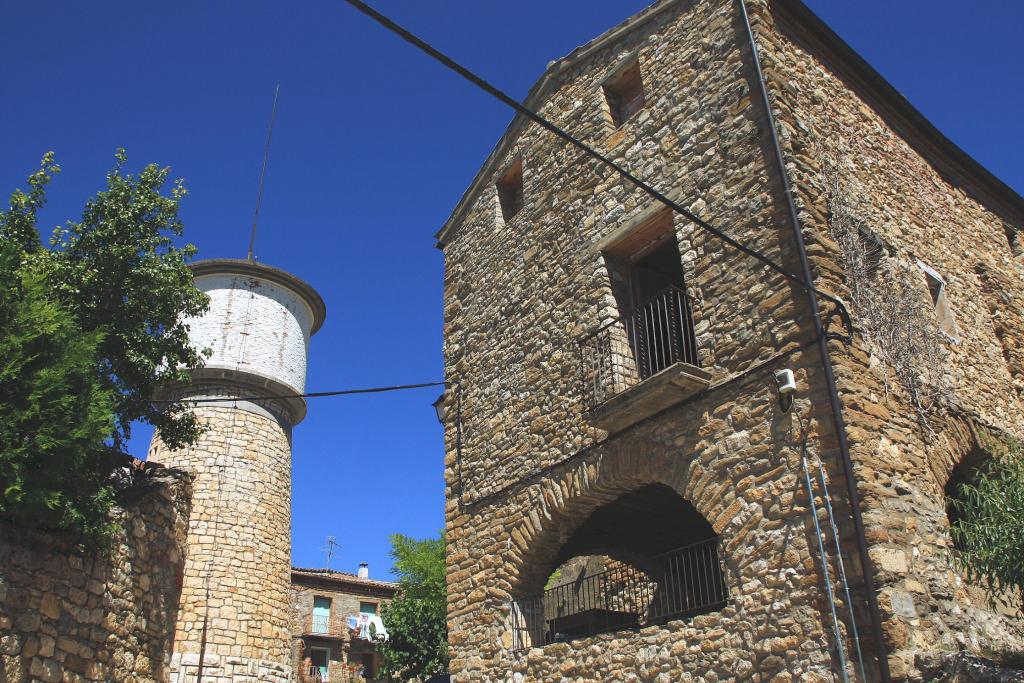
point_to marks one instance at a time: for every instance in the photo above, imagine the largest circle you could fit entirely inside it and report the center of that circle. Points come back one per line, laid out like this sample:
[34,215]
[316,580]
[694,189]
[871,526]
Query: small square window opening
[943,311]
[510,191]
[1015,240]
[625,94]
[873,250]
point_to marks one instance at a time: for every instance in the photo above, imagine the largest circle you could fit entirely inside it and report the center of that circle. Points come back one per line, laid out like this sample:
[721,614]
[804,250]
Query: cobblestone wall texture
[927,211]
[68,616]
[521,293]
[239,547]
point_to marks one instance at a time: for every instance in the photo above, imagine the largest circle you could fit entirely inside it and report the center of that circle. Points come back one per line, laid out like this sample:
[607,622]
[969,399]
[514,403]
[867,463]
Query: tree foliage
[989,512]
[416,619]
[90,328]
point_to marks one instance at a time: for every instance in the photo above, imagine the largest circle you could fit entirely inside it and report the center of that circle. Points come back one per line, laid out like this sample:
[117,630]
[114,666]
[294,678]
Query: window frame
[624,92]
[326,669]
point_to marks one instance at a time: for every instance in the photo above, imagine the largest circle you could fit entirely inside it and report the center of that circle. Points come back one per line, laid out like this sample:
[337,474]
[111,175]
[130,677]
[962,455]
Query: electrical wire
[447,61]
[312,394]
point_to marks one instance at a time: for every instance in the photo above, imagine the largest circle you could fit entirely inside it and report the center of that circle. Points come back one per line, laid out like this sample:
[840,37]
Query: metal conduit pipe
[826,361]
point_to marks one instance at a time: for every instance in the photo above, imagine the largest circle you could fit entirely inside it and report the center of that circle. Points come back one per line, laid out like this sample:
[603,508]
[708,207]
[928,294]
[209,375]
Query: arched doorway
[644,558]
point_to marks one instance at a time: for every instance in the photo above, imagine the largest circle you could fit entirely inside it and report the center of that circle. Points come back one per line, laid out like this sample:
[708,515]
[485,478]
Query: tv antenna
[329,549]
[263,173]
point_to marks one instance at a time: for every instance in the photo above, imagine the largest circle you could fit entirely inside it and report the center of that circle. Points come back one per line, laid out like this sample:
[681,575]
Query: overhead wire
[450,63]
[311,394]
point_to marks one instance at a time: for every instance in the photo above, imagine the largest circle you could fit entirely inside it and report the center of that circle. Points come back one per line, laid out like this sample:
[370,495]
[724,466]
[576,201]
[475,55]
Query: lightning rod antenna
[263,173]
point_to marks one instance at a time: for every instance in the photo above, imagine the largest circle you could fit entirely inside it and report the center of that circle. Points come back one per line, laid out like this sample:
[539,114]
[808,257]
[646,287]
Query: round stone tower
[237,571]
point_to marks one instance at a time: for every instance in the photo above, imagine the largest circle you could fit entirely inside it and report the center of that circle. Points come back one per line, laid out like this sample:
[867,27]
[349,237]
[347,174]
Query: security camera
[785,381]
[786,384]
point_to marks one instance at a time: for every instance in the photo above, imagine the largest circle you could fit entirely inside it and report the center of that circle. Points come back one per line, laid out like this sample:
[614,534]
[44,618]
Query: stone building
[332,612]
[69,615]
[234,604]
[617,366]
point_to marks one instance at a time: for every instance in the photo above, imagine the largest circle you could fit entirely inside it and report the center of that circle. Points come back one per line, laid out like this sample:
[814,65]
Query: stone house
[325,606]
[620,367]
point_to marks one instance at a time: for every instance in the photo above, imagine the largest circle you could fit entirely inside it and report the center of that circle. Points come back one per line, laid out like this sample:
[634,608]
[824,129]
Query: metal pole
[263,173]
[840,650]
[842,569]
[202,639]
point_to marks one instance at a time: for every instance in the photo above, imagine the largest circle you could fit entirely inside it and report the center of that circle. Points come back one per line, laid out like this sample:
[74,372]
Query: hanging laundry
[377,630]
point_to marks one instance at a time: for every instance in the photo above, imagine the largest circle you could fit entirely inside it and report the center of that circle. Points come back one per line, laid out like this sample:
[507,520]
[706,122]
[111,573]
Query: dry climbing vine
[889,298]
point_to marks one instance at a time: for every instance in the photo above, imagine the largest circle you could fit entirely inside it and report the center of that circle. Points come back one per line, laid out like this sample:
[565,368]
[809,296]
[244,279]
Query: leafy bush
[989,512]
[90,328]
[416,620]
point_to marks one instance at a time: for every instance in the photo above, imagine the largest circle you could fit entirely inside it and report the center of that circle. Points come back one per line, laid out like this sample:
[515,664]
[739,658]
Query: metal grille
[682,583]
[320,623]
[656,335]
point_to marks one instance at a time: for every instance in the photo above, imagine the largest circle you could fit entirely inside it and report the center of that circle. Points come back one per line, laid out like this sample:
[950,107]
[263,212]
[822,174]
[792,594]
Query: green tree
[89,329]
[989,514]
[416,620]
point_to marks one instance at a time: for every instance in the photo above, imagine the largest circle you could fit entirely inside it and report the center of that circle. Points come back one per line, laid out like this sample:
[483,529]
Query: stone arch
[575,514]
[562,503]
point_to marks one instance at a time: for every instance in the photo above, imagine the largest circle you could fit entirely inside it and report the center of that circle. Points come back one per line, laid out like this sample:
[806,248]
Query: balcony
[641,363]
[680,584]
[320,627]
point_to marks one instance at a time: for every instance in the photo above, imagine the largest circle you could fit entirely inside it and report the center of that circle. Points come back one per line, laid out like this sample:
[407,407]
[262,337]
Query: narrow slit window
[873,250]
[510,191]
[940,301]
[1015,241]
[625,94]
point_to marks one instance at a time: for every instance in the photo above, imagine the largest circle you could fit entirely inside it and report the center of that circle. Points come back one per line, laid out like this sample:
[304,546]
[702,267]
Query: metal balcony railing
[627,350]
[321,623]
[681,584]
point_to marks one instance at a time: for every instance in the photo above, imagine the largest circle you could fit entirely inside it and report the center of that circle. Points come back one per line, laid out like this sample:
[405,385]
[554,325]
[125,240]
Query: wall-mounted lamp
[440,407]
[786,384]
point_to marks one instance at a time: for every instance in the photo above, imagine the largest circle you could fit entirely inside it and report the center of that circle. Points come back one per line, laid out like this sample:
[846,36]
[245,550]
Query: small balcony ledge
[654,394]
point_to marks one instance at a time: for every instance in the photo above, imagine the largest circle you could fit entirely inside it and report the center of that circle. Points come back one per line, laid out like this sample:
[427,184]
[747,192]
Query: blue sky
[373,146]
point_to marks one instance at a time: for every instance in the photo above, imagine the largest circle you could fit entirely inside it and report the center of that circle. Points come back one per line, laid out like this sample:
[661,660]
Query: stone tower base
[228,669]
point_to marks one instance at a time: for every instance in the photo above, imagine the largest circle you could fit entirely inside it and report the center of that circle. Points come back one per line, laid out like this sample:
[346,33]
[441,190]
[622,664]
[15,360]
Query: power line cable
[313,394]
[447,61]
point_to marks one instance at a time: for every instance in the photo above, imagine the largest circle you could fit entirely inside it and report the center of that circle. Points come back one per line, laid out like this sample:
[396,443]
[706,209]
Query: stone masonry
[239,547]
[68,616]
[524,292]
[234,600]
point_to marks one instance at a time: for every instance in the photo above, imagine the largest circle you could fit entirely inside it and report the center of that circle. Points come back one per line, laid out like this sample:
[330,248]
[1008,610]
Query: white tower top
[258,326]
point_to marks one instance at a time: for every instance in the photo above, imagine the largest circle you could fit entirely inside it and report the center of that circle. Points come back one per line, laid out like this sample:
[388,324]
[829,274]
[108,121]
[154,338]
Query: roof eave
[993,189]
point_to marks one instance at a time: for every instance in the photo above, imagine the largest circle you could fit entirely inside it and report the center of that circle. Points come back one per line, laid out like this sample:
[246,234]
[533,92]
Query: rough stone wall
[239,542]
[519,294]
[924,211]
[72,616]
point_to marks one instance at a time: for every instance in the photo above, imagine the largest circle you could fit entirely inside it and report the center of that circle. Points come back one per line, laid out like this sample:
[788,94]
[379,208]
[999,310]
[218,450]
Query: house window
[510,191]
[368,608]
[319,659]
[321,614]
[625,94]
[647,279]
[872,250]
[940,301]
[1015,241]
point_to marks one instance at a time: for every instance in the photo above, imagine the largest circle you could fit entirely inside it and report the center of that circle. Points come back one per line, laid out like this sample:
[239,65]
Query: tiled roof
[346,577]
